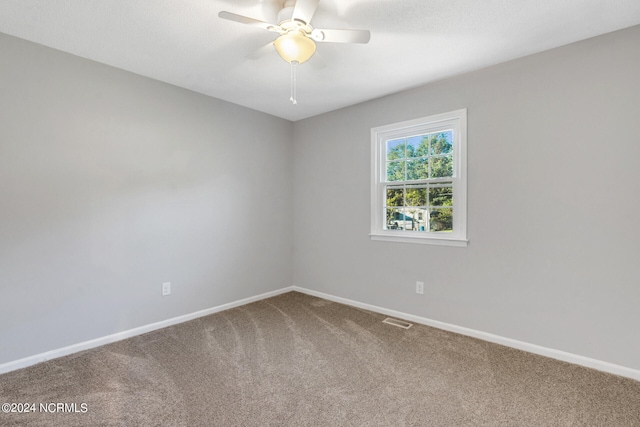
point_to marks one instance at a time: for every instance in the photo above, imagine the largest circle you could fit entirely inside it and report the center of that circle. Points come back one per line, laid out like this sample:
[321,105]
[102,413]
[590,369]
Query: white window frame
[455,120]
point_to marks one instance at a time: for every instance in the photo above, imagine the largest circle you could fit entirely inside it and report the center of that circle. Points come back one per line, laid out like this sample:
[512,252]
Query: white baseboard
[531,348]
[508,342]
[86,345]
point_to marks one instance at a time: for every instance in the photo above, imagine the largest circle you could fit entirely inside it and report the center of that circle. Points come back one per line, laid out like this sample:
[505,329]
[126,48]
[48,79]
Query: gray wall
[553,147]
[111,183]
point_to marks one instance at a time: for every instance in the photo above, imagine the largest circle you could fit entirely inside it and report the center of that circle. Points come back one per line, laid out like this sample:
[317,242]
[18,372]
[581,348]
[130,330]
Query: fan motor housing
[286,13]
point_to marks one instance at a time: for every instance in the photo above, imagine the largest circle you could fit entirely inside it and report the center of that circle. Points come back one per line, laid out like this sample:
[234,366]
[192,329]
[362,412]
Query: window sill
[422,240]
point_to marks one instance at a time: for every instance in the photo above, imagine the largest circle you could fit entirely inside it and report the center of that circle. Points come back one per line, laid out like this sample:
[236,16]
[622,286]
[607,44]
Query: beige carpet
[296,360]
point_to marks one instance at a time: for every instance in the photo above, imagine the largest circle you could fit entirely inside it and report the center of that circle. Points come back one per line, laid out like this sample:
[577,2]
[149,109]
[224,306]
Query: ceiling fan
[296,41]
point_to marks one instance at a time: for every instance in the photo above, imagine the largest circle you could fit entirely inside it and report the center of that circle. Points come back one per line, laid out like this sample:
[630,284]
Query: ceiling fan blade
[304,10]
[341,36]
[249,21]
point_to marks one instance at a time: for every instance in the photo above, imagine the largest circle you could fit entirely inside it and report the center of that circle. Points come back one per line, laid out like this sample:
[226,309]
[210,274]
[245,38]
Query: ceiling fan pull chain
[293,82]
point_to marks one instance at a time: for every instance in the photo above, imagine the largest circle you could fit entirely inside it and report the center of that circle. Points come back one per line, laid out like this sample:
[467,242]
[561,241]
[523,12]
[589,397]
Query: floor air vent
[399,323]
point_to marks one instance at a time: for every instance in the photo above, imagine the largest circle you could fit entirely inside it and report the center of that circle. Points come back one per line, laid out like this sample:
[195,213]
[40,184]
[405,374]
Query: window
[418,180]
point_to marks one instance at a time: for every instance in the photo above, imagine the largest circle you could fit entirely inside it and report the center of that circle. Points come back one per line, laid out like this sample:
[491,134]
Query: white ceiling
[413,42]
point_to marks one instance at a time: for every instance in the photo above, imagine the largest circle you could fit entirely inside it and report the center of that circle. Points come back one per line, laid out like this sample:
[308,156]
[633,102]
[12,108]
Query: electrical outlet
[420,288]
[166,288]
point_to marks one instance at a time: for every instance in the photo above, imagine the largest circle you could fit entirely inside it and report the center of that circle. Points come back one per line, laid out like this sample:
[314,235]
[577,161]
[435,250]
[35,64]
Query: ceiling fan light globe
[295,47]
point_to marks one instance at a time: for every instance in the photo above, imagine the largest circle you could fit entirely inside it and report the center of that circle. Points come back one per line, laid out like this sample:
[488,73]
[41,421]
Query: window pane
[416,219]
[395,171]
[441,219]
[416,195]
[441,195]
[441,143]
[395,196]
[395,149]
[441,166]
[395,219]
[417,169]
[417,146]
